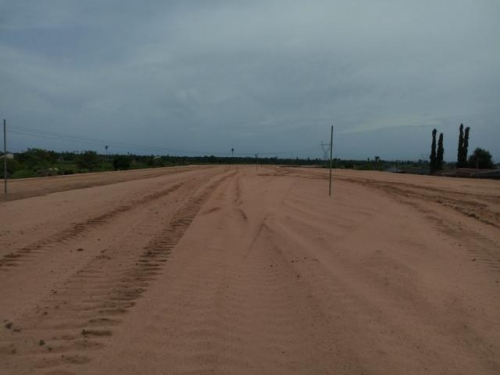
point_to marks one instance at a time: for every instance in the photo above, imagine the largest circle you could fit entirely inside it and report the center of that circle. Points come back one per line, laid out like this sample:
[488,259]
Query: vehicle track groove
[97,298]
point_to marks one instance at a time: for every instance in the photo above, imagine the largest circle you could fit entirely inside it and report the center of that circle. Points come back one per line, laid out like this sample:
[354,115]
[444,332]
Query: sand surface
[245,270]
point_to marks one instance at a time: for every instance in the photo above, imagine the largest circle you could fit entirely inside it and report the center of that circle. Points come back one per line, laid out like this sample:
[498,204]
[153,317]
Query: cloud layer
[261,76]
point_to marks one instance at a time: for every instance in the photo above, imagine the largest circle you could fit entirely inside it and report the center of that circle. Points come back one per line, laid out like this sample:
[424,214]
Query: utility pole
[256,160]
[331,160]
[5,156]
[325,147]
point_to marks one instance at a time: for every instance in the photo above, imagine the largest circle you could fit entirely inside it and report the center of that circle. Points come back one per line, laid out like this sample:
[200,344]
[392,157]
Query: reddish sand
[245,270]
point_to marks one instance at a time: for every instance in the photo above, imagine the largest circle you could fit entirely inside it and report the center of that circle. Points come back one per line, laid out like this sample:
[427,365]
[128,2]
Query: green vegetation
[440,153]
[460,145]
[436,158]
[481,159]
[121,162]
[463,145]
[12,166]
[433,156]
[23,173]
[39,163]
[88,160]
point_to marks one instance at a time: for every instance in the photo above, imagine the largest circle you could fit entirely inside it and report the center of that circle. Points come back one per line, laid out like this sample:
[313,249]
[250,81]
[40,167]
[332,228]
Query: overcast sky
[189,77]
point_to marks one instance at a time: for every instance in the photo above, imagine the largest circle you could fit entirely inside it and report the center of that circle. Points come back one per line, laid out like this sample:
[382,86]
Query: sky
[196,77]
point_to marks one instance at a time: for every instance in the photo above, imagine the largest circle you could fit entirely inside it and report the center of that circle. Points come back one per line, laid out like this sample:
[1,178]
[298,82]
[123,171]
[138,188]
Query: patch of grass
[23,173]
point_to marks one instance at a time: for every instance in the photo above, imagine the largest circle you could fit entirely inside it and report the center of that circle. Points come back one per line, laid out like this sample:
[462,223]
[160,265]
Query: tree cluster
[436,157]
[480,159]
[463,145]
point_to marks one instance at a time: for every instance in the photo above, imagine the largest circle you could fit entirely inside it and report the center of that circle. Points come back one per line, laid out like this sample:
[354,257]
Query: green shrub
[121,162]
[88,160]
[12,166]
[24,173]
[36,157]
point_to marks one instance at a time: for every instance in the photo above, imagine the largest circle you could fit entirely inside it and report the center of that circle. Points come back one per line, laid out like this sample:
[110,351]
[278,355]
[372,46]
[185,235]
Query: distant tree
[88,160]
[440,153]
[433,156]
[465,146]
[153,161]
[121,162]
[481,159]
[68,156]
[460,161]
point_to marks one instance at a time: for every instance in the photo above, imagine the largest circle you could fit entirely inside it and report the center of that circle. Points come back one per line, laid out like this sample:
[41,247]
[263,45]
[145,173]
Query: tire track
[201,317]
[343,294]
[56,184]
[482,248]
[79,317]
[243,312]
[431,201]
[39,247]
[472,206]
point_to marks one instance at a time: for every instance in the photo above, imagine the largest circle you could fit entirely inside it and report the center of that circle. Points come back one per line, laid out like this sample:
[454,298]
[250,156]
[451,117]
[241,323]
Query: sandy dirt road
[244,270]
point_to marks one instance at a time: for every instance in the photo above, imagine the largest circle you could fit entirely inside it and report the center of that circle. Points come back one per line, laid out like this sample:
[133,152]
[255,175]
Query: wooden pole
[331,162]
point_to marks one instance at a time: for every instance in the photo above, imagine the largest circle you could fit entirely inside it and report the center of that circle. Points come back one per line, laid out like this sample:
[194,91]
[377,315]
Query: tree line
[36,162]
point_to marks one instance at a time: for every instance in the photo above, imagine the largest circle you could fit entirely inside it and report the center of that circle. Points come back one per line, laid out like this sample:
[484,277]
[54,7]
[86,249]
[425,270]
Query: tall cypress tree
[433,152]
[460,147]
[465,147]
[440,153]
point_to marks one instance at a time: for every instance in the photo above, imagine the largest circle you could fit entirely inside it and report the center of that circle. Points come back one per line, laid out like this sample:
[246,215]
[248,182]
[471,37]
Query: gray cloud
[257,76]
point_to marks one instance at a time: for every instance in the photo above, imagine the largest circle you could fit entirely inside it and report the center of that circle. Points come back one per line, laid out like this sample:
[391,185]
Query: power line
[89,142]
[84,140]
[27,131]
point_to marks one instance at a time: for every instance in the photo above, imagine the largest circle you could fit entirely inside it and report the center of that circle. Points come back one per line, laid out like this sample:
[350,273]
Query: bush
[36,157]
[24,173]
[89,160]
[121,162]
[12,166]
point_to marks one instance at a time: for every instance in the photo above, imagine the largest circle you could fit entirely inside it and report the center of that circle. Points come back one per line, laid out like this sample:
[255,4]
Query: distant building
[9,156]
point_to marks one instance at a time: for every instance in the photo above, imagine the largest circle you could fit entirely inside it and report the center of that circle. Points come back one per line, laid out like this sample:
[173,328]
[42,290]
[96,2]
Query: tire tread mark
[14,259]
[93,318]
